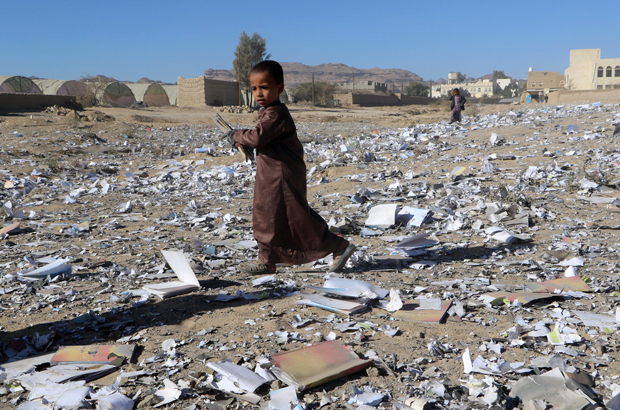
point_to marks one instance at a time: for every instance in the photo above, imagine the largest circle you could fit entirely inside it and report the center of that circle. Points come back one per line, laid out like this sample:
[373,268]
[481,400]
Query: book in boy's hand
[247,152]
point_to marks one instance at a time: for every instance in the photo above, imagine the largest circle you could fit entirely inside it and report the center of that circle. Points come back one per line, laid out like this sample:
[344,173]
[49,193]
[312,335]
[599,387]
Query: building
[540,83]
[588,71]
[200,92]
[477,89]
[369,86]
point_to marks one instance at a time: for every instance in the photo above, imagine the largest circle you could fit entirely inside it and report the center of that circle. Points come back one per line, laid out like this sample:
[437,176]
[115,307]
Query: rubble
[486,270]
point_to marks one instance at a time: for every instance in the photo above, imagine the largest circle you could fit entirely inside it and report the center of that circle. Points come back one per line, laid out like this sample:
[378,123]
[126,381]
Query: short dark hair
[456,91]
[273,68]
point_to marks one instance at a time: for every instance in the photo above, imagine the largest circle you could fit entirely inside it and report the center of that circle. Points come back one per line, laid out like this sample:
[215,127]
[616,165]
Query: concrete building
[477,89]
[371,86]
[588,71]
[540,83]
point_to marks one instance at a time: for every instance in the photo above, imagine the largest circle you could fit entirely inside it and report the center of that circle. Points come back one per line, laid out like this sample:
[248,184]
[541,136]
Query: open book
[187,279]
[225,127]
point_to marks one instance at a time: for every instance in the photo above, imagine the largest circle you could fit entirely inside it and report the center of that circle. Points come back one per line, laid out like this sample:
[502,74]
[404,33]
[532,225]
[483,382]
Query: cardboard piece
[314,365]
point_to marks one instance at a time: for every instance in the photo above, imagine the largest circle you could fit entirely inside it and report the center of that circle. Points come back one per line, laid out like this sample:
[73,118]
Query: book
[343,307]
[187,279]
[93,354]
[411,311]
[311,366]
[247,152]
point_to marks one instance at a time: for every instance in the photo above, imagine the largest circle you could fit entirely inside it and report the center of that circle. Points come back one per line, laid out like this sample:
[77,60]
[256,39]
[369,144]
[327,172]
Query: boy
[286,228]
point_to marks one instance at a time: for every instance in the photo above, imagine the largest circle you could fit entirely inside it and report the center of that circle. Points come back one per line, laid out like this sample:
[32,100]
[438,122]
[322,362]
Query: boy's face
[265,88]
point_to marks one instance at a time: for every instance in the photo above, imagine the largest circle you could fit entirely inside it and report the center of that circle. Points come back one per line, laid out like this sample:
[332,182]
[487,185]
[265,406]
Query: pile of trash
[486,273]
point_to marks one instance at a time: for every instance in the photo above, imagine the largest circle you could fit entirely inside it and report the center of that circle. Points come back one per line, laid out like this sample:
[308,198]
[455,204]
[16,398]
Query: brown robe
[286,228]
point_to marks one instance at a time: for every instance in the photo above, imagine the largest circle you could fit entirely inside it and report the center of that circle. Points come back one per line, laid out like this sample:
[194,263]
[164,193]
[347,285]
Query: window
[617,71]
[600,71]
[561,82]
[540,84]
[599,87]
[533,83]
[608,73]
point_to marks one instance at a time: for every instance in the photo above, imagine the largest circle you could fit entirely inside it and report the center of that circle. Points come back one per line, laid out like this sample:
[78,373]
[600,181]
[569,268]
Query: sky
[162,40]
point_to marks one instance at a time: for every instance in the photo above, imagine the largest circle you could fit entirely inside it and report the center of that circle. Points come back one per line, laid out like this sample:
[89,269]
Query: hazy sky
[161,40]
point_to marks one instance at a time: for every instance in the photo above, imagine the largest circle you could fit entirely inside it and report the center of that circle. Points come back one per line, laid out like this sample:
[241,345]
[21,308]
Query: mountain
[297,73]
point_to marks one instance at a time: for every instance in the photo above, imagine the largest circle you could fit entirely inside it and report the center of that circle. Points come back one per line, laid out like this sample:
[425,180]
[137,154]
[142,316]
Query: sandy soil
[112,255]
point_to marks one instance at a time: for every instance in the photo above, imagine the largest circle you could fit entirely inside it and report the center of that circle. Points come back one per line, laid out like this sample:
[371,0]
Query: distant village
[587,71]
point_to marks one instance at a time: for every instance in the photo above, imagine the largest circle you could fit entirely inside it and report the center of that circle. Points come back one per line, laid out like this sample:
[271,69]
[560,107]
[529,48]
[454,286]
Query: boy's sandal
[341,260]
[256,268]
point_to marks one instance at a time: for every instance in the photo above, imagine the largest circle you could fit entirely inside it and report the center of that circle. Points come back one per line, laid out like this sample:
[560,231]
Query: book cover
[411,312]
[92,354]
[313,365]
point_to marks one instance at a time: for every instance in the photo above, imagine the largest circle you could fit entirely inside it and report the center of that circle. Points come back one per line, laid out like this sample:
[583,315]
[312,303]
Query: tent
[18,84]
[113,94]
[171,90]
[62,87]
[153,95]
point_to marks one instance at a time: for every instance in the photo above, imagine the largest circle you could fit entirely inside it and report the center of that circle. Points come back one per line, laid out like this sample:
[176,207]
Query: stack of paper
[415,216]
[351,288]
[411,245]
[343,307]
[317,364]
[247,152]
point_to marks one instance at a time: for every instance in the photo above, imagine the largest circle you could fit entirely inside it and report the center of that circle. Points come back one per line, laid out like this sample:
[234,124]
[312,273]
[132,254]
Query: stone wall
[221,92]
[200,92]
[191,92]
[17,101]
[584,96]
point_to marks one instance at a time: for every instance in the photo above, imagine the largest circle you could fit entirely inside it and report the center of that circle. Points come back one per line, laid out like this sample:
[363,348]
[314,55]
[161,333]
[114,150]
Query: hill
[297,73]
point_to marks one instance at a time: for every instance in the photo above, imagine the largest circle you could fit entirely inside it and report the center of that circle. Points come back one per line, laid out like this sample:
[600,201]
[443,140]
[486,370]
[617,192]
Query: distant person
[546,98]
[286,228]
[457,105]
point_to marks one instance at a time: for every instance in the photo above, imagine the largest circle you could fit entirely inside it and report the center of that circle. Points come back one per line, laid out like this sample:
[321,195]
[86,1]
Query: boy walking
[286,228]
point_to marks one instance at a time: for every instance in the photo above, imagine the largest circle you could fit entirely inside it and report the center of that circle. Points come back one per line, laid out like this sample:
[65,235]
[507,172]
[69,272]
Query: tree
[417,90]
[510,91]
[323,92]
[461,78]
[249,52]
[464,93]
[497,74]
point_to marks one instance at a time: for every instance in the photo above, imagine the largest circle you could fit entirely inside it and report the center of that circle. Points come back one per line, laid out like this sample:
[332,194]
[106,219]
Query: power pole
[313,89]
[239,75]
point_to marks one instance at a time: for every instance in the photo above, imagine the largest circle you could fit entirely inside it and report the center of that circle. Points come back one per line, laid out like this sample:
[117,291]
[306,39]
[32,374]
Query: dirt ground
[119,251]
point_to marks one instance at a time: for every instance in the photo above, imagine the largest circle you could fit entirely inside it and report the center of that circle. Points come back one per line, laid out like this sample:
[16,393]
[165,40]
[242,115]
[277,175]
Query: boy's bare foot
[257,268]
[341,257]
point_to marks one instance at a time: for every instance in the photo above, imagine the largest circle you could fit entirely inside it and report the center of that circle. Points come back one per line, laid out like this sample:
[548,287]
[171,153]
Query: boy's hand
[230,137]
